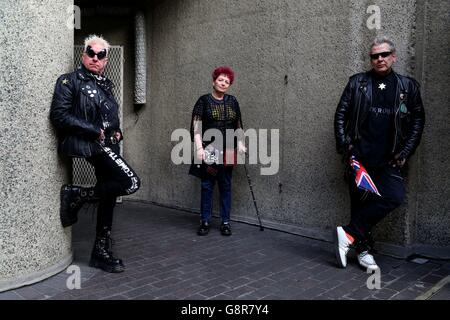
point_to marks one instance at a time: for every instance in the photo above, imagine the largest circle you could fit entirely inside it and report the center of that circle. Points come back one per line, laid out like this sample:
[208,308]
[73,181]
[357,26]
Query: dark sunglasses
[91,53]
[375,56]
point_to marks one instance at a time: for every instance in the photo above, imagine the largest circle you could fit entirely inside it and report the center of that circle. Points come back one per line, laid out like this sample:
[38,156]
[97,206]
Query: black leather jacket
[75,112]
[354,106]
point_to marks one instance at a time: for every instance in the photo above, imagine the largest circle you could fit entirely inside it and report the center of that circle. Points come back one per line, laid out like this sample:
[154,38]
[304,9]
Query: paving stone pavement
[166,260]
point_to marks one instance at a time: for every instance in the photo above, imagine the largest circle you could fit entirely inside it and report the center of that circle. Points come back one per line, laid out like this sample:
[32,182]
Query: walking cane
[261,228]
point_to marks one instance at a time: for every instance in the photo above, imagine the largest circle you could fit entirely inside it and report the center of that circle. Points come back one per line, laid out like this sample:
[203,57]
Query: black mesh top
[210,113]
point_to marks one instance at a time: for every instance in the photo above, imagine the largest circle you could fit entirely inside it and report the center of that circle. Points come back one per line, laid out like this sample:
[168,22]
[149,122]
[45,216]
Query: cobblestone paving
[166,260]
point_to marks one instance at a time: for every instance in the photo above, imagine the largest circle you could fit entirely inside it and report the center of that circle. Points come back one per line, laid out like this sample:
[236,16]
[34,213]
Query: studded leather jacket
[353,108]
[76,112]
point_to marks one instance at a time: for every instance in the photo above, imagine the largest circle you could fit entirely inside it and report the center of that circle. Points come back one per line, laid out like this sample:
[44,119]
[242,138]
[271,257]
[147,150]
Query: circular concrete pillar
[36,46]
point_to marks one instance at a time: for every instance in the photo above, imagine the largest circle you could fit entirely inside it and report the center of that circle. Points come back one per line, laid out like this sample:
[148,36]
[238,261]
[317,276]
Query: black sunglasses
[91,53]
[375,56]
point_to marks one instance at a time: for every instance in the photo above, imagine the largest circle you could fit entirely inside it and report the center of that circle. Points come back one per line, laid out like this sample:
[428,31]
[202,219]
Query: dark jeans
[223,178]
[114,178]
[367,209]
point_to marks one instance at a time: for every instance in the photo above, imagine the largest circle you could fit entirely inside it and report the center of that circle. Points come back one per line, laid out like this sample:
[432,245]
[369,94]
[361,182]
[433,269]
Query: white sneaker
[342,245]
[367,261]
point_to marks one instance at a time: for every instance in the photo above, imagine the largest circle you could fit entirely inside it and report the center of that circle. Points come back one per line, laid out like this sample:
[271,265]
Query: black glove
[348,176]
[398,161]
[347,152]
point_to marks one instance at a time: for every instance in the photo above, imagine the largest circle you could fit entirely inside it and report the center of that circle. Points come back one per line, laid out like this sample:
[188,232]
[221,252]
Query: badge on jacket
[403,108]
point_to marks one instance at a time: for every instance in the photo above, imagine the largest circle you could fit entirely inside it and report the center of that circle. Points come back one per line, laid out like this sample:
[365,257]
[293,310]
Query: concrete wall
[433,198]
[292,60]
[115,23]
[36,48]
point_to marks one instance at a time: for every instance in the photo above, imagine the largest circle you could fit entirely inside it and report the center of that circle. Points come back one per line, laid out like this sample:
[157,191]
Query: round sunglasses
[91,53]
[385,54]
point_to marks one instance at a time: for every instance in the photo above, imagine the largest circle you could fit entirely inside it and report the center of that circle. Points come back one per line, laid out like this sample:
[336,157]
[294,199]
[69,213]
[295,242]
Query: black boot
[203,230]
[72,199]
[102,256]
[225,229]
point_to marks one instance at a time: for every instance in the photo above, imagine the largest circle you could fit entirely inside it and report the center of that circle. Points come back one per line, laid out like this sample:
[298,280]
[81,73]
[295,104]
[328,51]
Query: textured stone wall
[433,198]
[36,47]
[292,60]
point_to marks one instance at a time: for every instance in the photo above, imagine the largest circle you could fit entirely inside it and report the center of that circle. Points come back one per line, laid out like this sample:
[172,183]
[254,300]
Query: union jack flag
[362,178]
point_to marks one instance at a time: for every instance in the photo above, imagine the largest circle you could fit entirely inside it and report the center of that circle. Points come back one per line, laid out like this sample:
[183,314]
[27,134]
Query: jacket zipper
[362,88]
[396,115]
[85,113]
[357,119]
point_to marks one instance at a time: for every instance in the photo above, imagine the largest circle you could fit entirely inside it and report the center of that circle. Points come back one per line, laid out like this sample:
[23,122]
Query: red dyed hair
[223,70]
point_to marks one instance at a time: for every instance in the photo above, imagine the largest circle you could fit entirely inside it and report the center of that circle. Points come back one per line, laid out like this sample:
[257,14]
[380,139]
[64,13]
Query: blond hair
[94,39]
[383,39]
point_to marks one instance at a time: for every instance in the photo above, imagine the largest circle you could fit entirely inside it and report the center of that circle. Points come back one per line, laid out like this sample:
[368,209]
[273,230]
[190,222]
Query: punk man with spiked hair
[379,121]
[85,114]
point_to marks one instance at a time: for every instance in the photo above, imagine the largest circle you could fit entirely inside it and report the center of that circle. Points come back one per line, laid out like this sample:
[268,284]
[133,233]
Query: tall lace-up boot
[72,199]
[102,256]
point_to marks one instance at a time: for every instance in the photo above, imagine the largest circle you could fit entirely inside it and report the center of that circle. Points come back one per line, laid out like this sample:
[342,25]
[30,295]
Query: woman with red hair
[216,112]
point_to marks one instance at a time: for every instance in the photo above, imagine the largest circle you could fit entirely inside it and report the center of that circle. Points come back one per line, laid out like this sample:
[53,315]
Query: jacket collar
[85,75]
[365,85]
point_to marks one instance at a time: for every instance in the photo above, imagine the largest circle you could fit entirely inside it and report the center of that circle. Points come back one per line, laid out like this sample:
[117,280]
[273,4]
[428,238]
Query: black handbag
[208,168]
[203,170]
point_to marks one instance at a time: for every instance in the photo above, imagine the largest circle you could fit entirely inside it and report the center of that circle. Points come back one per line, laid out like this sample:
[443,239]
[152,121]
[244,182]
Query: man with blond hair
[85,114]
[379,121]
